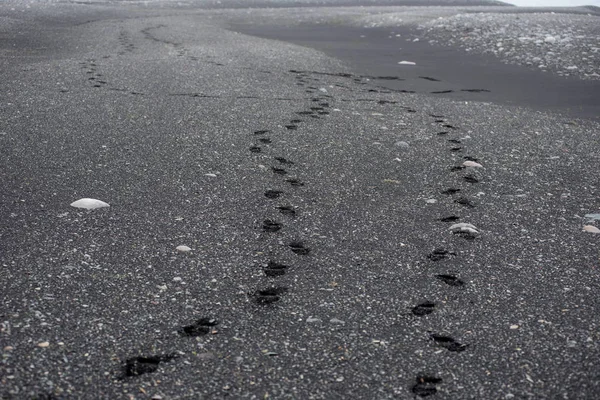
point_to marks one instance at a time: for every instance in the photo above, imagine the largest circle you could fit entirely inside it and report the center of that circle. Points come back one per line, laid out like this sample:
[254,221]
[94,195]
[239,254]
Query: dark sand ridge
[458,75]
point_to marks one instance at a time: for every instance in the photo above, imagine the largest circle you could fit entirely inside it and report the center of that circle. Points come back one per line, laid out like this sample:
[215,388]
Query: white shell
[462,225]
[472,164]
[591,229]
[89,204]
[183,249]
[407,63]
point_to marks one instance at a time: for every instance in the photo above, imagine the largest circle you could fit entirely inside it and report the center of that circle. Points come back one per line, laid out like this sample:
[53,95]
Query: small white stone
[312,320]
[407,63]
[472,164]
[514,327]
[183,249]
[337,321]
[177,279]
[431,201]
[402,144]
[464,227]
[43,344]
[89,204]
[211,175]
[591,229]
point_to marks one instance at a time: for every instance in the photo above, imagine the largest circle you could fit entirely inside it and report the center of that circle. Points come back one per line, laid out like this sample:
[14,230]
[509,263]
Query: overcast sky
[550,3]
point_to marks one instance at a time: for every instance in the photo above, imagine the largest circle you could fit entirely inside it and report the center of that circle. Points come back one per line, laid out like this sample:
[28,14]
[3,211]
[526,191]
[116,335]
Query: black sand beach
[282,222]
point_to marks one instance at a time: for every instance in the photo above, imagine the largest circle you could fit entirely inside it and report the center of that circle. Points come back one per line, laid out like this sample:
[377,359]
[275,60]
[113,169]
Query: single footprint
[265,140]
[440,254]
[279,171]
[198,328]
[284,161]
[463,201]
[144,365]
[273,194]
[426,385]
[451,191]
[298,248]
[295,182]
[287,210]
[268,296]
[275,269]
[255,149]
[291,127]
[450,218]
[423,308]
[448,343]
[261,132]
[450,280]
[471,179]
[271,226]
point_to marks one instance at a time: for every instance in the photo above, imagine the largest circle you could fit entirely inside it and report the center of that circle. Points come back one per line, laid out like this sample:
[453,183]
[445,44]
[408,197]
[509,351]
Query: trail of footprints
[94,78]
[425,384]
[262,141]
[272,269]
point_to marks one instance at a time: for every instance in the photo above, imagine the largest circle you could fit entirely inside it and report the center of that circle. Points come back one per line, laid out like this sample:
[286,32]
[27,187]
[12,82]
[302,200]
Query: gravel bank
[564,44]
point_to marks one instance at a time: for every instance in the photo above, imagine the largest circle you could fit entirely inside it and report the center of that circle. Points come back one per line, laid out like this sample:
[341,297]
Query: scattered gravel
[565,44]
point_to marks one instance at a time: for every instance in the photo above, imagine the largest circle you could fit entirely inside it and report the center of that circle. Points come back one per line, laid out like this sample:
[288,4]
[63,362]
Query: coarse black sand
[283,224]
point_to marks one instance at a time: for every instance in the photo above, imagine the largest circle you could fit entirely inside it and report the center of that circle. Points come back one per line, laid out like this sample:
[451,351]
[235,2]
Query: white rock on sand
[89,204]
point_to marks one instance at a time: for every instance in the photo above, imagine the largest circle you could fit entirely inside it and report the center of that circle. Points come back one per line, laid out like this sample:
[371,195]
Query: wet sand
[458,75]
